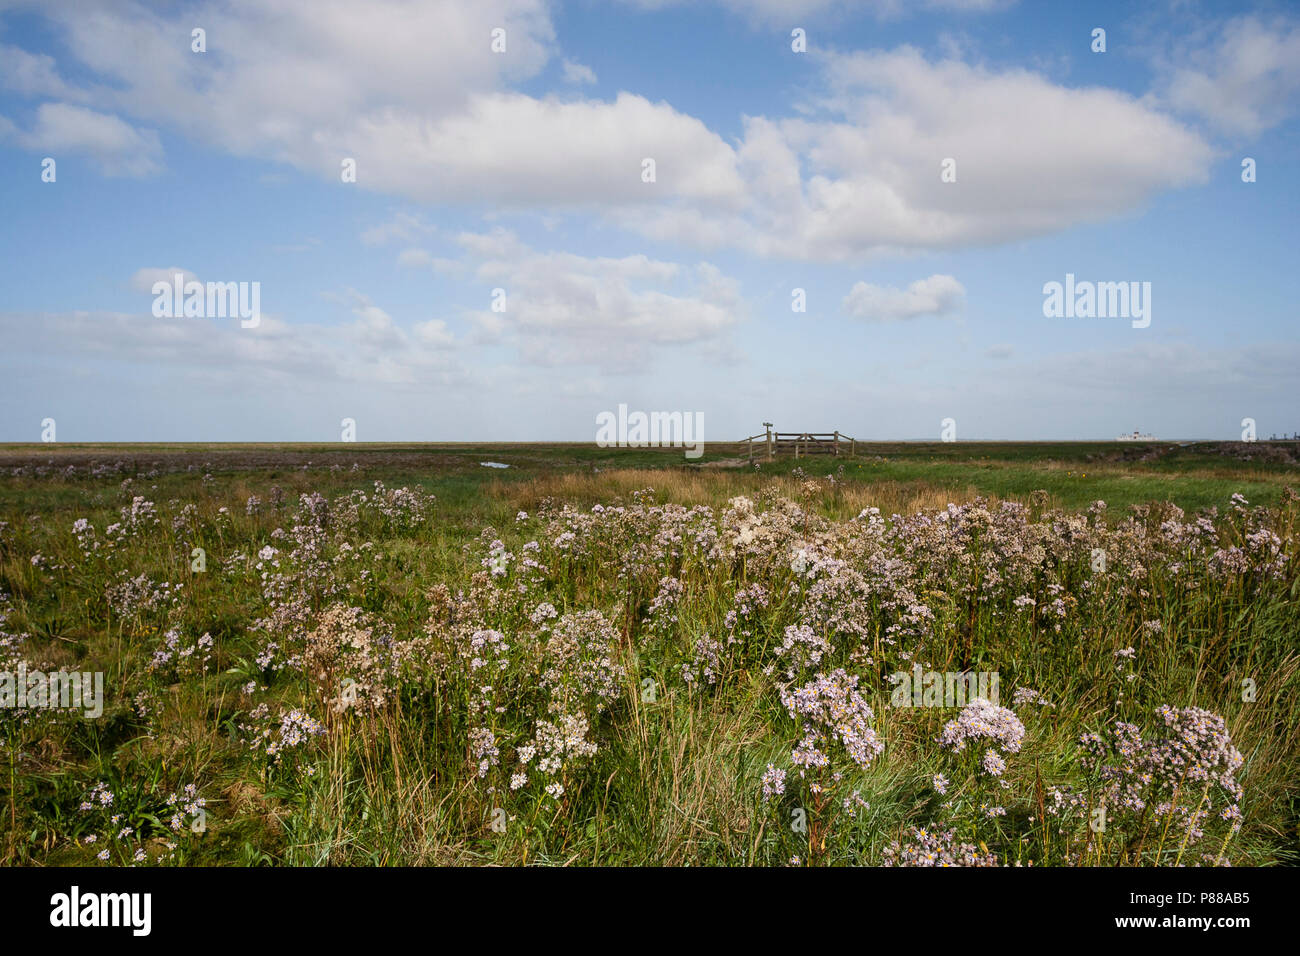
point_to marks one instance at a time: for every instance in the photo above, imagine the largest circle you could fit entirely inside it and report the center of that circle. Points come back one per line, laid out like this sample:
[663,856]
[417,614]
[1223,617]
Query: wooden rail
[801,443]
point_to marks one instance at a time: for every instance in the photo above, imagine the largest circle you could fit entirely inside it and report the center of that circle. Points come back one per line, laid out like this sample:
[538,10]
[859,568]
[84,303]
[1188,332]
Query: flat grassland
[367,654]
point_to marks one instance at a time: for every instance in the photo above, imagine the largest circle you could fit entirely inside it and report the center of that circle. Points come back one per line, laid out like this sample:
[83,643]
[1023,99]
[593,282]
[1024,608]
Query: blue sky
[522,171]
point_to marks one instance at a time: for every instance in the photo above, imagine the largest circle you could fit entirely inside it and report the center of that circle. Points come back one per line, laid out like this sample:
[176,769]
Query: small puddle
[493,464]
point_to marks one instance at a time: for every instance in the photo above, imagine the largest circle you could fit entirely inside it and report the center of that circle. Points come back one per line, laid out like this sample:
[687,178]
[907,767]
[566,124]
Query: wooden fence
[770,444]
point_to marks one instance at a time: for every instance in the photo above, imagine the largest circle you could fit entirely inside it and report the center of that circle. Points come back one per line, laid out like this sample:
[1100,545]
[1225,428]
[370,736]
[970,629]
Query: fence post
[837,443]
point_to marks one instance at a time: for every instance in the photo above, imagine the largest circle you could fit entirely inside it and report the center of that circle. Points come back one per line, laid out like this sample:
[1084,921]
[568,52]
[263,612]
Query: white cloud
[937,295]
[578,73]
[299,82]
[498,244]
[566,309]
[861,174]
[1244,84]
[410,90]
[278,77]
[373,347]
[111,369]
[856,174]
[518,150]
[434,334]
[32,74]
[405,226]
[119,148]
[562,309]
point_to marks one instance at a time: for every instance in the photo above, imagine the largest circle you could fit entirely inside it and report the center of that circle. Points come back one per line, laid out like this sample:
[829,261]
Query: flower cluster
[830,707]
[923,847]
[113,838]
[981,720]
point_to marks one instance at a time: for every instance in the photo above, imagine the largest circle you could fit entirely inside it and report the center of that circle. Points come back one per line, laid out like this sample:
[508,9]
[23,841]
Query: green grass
[675,779]
[1197,475]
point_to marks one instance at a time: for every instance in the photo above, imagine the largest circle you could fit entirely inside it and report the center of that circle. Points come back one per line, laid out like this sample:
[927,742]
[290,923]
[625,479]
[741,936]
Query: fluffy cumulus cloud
[524,151]
[1243,83]
[296,81]
[861,174]
[937,295]
[564,309]
[414,94]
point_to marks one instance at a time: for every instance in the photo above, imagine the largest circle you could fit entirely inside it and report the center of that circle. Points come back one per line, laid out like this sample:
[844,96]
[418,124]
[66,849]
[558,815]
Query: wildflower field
[393,655]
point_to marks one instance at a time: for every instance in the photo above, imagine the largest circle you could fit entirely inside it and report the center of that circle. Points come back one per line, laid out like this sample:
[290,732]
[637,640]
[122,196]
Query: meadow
[361,654]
